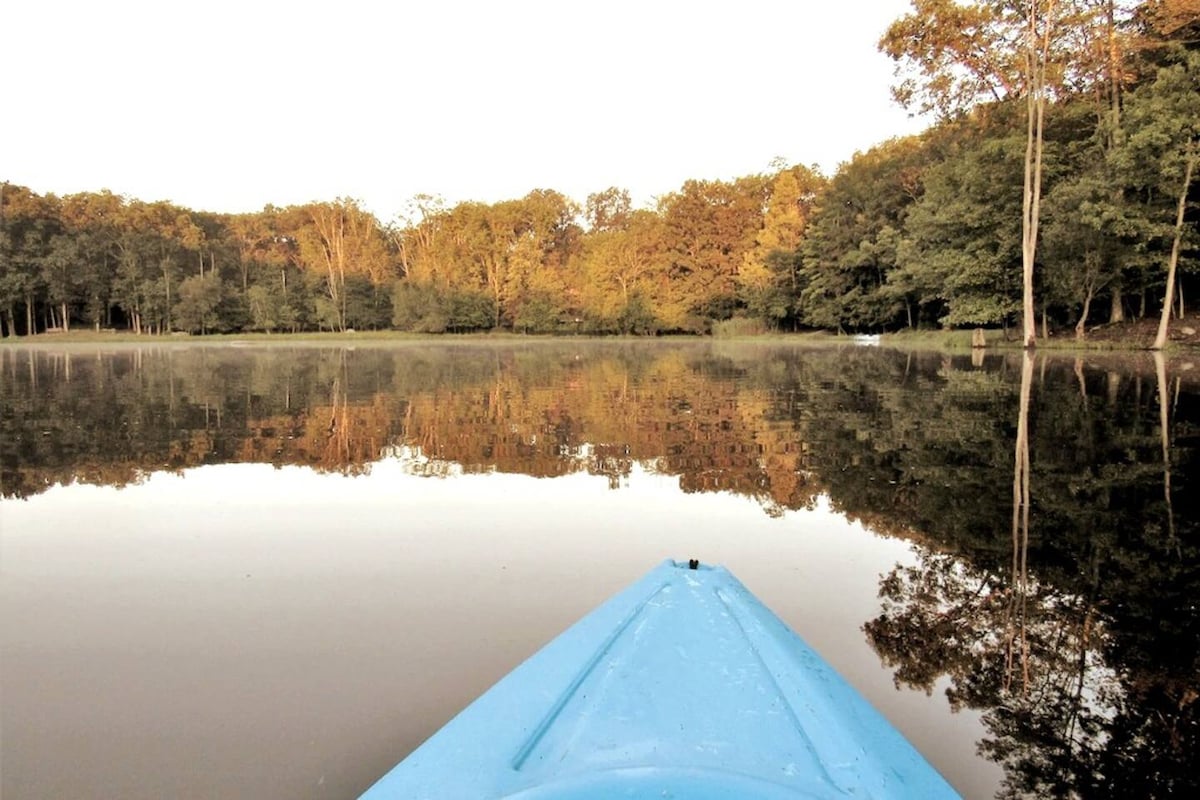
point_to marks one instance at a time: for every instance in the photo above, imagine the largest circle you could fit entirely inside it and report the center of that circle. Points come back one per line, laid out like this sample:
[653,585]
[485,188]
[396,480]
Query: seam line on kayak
[540,731]
[733,606]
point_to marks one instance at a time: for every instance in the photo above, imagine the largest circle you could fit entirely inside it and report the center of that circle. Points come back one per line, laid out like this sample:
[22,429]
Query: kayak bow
[682,685]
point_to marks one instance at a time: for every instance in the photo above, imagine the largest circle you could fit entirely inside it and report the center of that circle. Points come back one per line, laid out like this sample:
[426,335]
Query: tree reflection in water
[1086,673]
[1048,501]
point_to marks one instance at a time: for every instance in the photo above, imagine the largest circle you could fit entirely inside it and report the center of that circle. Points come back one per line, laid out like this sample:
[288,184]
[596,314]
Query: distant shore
[1124,337]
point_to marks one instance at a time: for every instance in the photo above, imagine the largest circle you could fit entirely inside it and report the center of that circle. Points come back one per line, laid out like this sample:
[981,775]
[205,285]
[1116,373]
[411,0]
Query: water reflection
[1082,651]
[539,411]
[1056,569]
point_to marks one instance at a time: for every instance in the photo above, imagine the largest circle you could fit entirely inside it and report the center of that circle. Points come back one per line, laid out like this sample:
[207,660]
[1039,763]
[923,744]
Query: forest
[1054,191]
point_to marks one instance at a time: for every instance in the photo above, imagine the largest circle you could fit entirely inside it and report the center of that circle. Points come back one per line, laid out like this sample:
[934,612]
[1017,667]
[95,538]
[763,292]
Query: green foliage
[739,326]
[199,300]
[1091,237]
[538,314]
[418,308]
[425,309]
[637,317]
[852,240]
[368,305]
[1161,136]
[964,238]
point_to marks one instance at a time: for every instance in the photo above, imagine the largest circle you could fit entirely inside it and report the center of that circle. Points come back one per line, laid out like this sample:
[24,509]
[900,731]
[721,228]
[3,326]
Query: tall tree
[1160,156]
[341,240]
[608,210]
[960,254]
[708,228]
[1040,26]
[952,55]
[415,232]
[88,219]
[768,279]
[850,245]
[29,226]
[624,272]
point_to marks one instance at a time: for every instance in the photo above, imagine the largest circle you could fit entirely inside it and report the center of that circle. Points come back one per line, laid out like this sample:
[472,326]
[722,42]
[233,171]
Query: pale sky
[228,105]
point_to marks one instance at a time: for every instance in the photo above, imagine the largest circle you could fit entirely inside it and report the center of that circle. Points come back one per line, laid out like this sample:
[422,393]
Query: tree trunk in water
[1160,369]
[1160,340]
[1020,535]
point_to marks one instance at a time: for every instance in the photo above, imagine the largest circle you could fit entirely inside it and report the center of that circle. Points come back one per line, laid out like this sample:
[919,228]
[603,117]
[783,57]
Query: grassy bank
[1124,337]
[1183,334]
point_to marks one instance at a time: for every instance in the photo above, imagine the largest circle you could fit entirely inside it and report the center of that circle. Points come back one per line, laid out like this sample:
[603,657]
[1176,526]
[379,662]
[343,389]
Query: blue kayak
[684,685]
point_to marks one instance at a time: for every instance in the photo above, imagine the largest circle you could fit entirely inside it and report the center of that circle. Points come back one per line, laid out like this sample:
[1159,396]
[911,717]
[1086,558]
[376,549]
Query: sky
[231,105]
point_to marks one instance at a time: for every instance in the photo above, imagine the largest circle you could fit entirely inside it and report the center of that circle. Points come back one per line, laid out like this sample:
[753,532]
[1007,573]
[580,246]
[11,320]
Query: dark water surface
[273,571]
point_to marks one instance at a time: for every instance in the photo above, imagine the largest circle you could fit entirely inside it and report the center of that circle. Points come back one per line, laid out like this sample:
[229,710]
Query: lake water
[273,571]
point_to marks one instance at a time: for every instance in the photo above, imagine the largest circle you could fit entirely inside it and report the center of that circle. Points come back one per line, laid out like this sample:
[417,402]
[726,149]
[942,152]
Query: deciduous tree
[341,240]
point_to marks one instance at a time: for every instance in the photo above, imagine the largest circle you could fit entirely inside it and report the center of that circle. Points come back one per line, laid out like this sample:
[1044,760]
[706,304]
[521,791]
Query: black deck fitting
[693,563]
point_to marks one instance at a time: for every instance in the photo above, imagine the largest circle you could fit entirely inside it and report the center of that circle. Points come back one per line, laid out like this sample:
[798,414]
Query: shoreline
[1185,340]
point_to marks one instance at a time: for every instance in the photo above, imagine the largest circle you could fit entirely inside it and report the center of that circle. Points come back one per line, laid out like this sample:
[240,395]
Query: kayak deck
[684,685]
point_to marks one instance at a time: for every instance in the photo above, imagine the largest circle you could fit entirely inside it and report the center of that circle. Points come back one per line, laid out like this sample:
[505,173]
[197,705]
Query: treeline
[924,231]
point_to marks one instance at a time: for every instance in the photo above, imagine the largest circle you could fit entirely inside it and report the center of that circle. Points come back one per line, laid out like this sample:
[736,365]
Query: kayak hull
[682,685]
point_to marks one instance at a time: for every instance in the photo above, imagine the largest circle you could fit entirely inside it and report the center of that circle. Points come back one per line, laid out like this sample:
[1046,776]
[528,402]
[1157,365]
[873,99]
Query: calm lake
[272,571]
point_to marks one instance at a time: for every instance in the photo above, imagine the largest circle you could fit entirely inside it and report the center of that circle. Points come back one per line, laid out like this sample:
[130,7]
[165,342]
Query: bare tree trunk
[1160,340]
[1117,312]
[66,318]
[1081,326]
[1035,74]
[1114,66]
